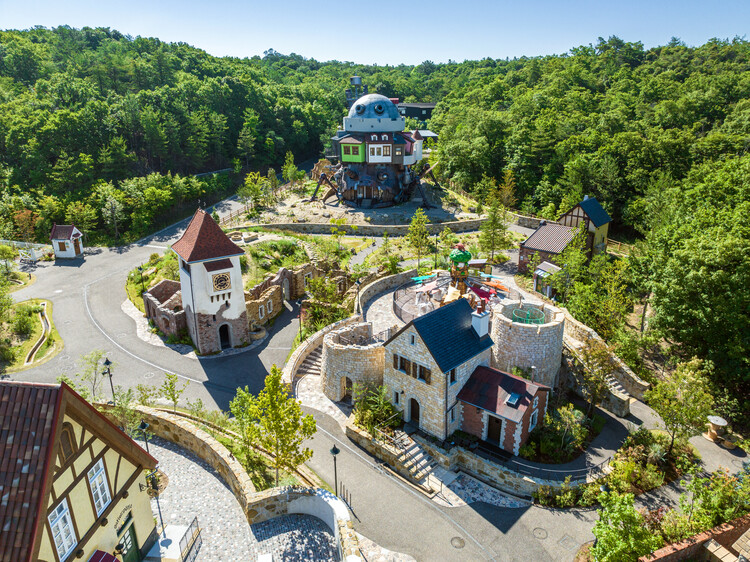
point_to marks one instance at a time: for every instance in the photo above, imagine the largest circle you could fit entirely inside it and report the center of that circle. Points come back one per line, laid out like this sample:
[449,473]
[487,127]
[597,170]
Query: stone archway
[285,288]
[225,336]
[347,390]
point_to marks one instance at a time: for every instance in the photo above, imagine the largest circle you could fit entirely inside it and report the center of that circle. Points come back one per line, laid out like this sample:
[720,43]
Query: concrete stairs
[312,363]
[416,462]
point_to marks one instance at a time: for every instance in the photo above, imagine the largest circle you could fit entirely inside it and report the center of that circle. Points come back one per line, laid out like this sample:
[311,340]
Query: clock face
[222,282]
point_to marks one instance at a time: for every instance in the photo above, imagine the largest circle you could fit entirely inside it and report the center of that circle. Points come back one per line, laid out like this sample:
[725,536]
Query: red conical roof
[203,240]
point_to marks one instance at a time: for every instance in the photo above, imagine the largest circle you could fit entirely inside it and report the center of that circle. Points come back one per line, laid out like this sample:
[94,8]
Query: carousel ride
[468,278]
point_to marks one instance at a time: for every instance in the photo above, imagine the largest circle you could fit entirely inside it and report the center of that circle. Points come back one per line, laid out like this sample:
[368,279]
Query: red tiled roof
[27,426]
[489,389]
[226,263]
[550,237]
[203,240]
[350,140]
[64,232]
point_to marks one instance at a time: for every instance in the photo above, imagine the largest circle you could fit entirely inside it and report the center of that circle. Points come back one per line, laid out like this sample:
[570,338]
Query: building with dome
[376,154]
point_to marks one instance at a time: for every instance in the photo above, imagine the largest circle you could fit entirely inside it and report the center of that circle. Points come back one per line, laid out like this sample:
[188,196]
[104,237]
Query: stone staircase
[415,461]
[312,363]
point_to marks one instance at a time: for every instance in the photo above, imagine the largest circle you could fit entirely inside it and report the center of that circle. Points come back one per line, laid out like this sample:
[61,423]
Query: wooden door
[77,246]
[130,546]
[494,430]
[414,412]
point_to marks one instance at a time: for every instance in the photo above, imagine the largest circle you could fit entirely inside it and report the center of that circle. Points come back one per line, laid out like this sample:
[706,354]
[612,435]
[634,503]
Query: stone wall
[392,229]
[309,345]
[524,345]
[577,333]
[691,548]
[163,304]
[257,506]
[615,401]
[207,326]
[269,304]
[368,292]
[362,364]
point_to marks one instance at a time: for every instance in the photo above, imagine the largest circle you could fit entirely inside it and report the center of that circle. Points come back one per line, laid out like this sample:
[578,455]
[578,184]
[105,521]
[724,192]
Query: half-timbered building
[72,485]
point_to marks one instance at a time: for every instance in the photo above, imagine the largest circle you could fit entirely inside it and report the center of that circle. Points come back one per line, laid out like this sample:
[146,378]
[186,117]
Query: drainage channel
[45,333]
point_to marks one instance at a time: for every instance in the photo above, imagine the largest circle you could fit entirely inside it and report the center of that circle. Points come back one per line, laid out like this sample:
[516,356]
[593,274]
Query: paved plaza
[196,490]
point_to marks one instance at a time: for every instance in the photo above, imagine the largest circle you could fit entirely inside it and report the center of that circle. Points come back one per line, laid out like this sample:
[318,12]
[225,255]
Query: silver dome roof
[374,106]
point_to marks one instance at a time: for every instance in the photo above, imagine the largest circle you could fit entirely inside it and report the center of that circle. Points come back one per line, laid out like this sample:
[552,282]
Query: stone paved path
[196,490]
[291,538]
[374,553]
[379,311]
[310,393]
[463,489]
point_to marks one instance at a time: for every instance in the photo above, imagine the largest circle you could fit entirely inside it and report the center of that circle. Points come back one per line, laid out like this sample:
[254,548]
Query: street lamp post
[299,315]
[335,451]
[436,249]
[143,427]
[107,371]
[356,300]
[140,270]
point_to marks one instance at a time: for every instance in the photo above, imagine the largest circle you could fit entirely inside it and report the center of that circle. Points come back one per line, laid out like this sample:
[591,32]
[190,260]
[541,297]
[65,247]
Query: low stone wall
[489,472]
[309,501]
[690,549]
[270,303]
[361,364]
[392,229]
[307,347]
[367,293]
[615,401]
[575,330]
[257,506]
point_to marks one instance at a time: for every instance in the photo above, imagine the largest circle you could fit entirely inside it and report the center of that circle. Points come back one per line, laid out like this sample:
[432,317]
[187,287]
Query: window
[355,151]
[452,376]
[372,151]
[536,402]
[67,442]
[395,397]
[185,265]
[261,312]
[61,246]
[397,151]
[424,112]
[373,137]
[99,487]
[424,374]
[387,150]
[308,277]
[413,339]
[384,137]
[347,150]
[532,423]
[62,530]
[269,307]
[453,414]
[380,151]
[404,365]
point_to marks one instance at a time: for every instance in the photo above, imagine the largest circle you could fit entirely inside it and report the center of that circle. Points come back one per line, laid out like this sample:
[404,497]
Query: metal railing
[405,306]
[191,542]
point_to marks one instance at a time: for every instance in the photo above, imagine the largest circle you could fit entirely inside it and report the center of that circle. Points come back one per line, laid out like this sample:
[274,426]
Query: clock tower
[211,283]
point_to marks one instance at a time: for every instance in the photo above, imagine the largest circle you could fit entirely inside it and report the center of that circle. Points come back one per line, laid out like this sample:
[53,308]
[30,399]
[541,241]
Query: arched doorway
[224,337]
[414,412]
[347,389]
[285,288]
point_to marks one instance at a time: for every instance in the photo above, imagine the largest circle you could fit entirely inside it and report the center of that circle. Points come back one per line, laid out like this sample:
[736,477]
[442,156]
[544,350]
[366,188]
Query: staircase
[415,461]
[312,363]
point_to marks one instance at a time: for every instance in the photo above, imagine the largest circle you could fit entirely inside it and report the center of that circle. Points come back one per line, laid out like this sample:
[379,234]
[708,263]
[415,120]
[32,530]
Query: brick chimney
[480,320]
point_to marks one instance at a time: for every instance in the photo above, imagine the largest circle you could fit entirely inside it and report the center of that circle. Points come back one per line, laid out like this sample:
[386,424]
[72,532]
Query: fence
[17,244]
[235,214]
[191,542]
[405,304]
[619,247]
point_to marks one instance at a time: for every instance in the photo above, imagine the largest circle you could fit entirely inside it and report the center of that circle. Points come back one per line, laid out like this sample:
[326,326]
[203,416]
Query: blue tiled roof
[448,334]
[595,211]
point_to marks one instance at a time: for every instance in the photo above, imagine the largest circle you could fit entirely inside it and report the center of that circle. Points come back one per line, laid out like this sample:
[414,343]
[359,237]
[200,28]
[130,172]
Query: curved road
[87,296]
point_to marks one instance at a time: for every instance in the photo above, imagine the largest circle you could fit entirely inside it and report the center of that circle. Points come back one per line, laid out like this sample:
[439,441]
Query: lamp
[119,548]
[140,270]
[335,451]
[143,427]
[107,364]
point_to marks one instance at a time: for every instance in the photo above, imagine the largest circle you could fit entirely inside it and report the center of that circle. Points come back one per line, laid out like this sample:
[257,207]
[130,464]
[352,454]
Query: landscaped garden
[20,332]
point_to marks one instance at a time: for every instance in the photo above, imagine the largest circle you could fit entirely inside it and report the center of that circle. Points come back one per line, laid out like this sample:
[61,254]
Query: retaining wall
[579,332]
[382,285]
[392,229]
[307,347]
[361,364]
[690,548]
[257,506]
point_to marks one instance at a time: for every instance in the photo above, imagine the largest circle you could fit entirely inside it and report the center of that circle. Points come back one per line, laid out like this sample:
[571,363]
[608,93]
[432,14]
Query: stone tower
[211,284]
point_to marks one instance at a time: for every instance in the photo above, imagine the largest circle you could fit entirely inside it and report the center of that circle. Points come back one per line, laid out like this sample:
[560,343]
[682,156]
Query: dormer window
[513,399]
[384,137]
[373,137]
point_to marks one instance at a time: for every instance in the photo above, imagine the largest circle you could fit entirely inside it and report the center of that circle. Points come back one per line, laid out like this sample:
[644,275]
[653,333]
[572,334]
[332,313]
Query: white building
[66,241]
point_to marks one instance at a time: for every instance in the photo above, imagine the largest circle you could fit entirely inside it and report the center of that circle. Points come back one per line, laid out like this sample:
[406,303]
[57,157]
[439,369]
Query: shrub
[373,408]
[22,323]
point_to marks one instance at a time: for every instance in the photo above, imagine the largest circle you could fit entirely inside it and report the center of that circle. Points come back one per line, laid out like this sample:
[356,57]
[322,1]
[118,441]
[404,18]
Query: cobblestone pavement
[310,393]
[374,553]
[379,311]
[291,538]
[464,490]
[196,490]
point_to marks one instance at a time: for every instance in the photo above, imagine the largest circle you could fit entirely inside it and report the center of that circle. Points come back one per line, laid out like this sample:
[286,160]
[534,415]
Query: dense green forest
[107,131]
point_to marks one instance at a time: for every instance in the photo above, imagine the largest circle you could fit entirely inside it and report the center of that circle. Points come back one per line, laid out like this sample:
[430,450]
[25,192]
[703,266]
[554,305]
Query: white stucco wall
[69,248]
[203,290]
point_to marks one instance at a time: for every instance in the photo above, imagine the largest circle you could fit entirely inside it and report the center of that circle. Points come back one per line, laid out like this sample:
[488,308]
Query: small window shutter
[427,375]
[395,361]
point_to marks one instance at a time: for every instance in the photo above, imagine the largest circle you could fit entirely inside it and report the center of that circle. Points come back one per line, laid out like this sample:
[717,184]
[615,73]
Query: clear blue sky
[435,30]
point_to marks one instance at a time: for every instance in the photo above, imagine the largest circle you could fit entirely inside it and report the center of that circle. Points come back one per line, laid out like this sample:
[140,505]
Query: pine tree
[418,235]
